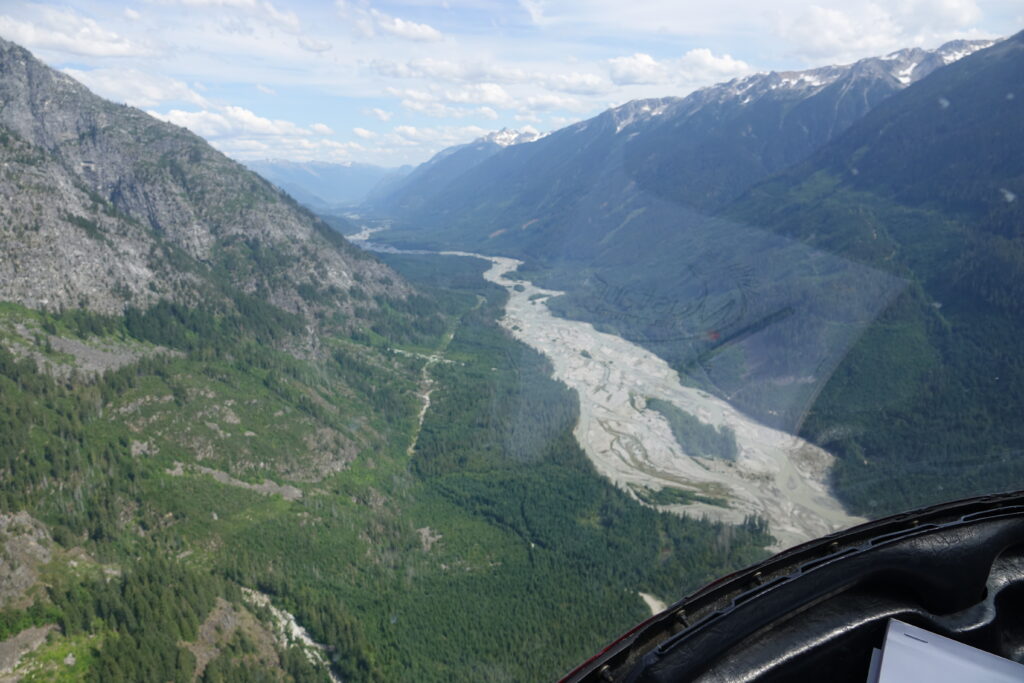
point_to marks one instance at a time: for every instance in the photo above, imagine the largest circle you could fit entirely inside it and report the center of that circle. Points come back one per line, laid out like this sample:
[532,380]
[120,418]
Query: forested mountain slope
[927,187]
[699,152]
[208,405]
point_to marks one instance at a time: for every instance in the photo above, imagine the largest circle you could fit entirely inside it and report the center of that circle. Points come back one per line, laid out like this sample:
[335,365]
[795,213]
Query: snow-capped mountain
[507,138]
[897,69]
[701,152]
[448,164]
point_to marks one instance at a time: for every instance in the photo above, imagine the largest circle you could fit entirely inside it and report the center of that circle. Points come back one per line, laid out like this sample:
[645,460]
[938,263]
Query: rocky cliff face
[61,248]
[105,206]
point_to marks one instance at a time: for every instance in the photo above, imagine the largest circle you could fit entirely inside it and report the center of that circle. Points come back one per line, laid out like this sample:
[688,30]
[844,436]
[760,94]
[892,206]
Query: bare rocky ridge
[267,488]
[16,647]
[103,206]
[289,632]
[58,251]
[221,626]
[25,547]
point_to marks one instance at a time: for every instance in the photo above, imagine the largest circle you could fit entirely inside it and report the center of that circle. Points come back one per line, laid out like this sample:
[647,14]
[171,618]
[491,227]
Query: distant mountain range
[701,151]
[332,187]
[324,186]
[410,193]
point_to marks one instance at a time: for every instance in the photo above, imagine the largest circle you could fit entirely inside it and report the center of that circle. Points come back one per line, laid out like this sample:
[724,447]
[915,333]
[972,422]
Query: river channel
[776,475]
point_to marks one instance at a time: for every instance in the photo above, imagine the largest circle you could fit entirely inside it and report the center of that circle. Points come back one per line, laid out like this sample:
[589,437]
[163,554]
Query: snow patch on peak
[958,49]
[904,74]
[812,80]
[639,110]
[912,64]
[507,138]
[950,57]
[749,88]
[799,79]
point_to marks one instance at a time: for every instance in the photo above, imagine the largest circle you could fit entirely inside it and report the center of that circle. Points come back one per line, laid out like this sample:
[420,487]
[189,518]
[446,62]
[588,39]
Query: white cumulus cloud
[447,70]
[66,31]
[285,19]
[230,121]
[380,114]
[371,22]
[535,10]
[295,148]
[830,32]
[313,44]
[435,101]
[695,68]
[262,9]
[408,30]
[135,87]
[442,111]
[639,68]
[218,3]
[480,93]
[441,136]
[577,83]
[243,134]
[552,101]
[701,64]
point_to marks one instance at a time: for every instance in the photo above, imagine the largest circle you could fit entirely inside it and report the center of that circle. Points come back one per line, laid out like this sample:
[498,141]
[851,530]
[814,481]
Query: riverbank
[775,475]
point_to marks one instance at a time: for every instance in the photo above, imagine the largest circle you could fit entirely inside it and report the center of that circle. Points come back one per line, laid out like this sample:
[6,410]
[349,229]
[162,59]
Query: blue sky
[394,82]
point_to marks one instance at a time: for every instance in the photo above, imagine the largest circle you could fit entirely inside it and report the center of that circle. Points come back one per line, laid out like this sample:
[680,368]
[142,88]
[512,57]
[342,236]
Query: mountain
[325,186]
[234,447]
[925,187]
[704,150]
[110,208]
[866,297]
[410,194]
[642,184]
[700,151]
[392,179]
[169,320]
